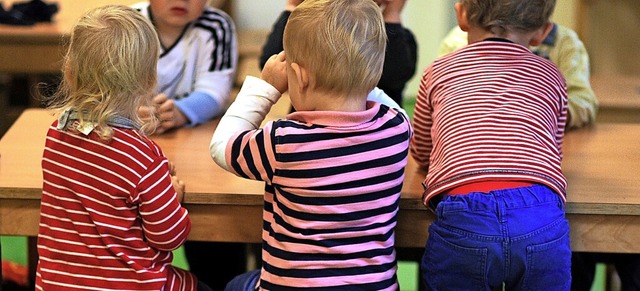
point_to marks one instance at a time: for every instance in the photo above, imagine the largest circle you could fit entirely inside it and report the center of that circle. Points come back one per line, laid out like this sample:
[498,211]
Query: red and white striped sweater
[109,216]
[490,111]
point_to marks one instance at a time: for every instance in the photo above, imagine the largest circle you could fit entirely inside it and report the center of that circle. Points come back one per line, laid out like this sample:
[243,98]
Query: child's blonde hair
[500,16]
[342,43]
[110,68]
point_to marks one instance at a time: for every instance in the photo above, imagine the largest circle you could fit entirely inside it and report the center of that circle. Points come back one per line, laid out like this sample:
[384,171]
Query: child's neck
[322,101]
[168,34]
[478,34]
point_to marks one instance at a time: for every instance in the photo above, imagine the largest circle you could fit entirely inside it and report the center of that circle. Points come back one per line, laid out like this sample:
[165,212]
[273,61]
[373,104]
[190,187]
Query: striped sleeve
[165,223]
[223,51]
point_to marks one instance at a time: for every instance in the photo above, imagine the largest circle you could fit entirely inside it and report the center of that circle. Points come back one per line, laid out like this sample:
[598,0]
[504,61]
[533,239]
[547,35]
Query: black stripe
[235,152]
[310,137]
[339,151]
[266,165]
[329,243]
[336,217]
[246,154]
[357,183]
[291,256]
[351,287]
[337,200]
[332,272]
[303,231]
[218,24]
[344,169]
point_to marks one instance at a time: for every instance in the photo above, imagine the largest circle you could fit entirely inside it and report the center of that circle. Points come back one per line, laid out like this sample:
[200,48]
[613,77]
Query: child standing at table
[110,213]
[489,124]
[197,65]
[333,170]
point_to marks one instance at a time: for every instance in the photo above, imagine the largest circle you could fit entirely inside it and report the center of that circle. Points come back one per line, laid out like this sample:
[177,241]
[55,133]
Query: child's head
[502,16]
[110,66]
[340,43]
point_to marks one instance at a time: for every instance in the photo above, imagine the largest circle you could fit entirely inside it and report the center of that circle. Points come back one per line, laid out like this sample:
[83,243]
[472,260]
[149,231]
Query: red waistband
[487,186]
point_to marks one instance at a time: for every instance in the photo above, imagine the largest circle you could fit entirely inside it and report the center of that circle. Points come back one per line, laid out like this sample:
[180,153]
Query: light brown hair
[341,43]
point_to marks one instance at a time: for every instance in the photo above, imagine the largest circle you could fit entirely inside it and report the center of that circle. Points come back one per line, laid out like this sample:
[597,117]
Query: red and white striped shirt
[109,216]
[490,111]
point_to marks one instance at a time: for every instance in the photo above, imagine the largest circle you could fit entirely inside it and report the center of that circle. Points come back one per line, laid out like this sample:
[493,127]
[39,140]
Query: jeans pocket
[447,265]
[549,264]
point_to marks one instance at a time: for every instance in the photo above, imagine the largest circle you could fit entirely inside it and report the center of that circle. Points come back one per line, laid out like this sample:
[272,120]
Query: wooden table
[601,163]
[39,48]
[619,97]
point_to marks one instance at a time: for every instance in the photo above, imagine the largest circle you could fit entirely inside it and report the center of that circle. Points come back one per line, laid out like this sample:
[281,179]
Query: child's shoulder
[134,140]
[214,17]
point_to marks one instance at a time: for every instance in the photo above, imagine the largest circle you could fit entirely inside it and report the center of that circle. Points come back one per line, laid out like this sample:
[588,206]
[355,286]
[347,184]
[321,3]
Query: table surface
[616,91]
[601,164]
[60,26]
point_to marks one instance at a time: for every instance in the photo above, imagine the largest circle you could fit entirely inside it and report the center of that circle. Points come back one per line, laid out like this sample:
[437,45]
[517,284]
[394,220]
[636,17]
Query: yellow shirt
[563,48]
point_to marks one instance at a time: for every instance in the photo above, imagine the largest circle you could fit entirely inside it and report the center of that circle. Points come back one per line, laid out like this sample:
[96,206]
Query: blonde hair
[500,16]
[109,69]
[342,43]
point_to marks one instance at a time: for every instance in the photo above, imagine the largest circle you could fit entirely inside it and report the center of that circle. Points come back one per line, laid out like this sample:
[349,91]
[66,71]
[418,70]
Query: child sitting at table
[110,213]
[196,71]
[333,170]
[489,124]
[197,65]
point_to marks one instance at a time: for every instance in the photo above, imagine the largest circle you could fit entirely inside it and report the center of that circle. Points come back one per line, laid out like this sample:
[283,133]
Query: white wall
[428,19]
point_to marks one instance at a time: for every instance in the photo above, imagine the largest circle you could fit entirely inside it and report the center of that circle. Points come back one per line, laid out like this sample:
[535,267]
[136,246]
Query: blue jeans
[517,237]
[244,282]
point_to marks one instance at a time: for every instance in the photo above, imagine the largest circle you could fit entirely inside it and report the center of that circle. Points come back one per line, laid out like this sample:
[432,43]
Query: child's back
[110,213]
[489,124]
[495,106]
[334,168]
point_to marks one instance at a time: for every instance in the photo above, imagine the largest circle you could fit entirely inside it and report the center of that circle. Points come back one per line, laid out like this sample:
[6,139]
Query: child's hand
[168,113]
[178,185]
[275,72]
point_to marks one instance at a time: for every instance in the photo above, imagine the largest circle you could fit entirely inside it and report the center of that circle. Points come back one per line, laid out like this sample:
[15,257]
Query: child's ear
[461,15]
[540,34]
[301,75]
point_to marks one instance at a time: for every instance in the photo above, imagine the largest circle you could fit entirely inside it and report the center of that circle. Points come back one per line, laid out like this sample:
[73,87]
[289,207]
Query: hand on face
[275,72]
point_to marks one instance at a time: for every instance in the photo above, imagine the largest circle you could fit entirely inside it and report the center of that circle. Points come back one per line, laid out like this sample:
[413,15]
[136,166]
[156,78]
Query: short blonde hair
[109,68]
[342,43]
[500,16]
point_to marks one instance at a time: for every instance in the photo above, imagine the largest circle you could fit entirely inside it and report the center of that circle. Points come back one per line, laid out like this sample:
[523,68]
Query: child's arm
[165,222]
[250,107]
[572,60]
[246,113]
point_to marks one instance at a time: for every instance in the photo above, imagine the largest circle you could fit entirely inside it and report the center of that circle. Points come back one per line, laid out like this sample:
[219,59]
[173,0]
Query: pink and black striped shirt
[109,217]
[333,182]
[490,111]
